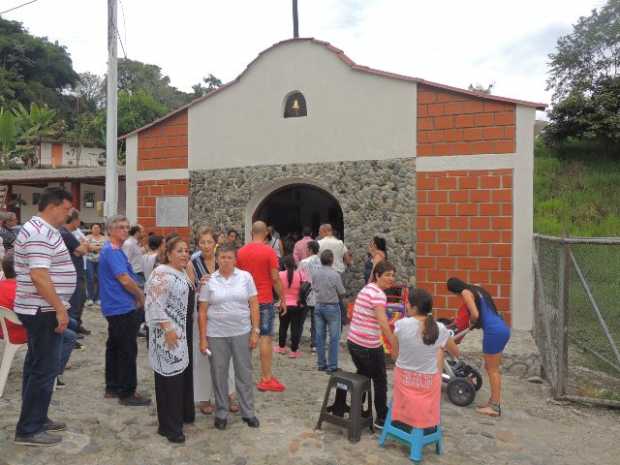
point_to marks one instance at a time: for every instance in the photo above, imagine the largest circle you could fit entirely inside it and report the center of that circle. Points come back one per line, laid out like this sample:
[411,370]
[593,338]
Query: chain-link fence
[577,316]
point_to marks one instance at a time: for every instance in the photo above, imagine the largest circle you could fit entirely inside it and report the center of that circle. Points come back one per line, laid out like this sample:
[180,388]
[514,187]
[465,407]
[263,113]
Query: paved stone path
[533,429]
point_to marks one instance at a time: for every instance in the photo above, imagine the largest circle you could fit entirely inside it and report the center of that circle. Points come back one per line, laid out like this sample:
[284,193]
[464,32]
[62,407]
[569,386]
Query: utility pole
[111,176]
[295,20]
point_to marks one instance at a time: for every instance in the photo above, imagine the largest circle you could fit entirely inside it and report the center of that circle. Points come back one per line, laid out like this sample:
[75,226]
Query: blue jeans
[327,316]
[92,280]
[69,337]
[40,369]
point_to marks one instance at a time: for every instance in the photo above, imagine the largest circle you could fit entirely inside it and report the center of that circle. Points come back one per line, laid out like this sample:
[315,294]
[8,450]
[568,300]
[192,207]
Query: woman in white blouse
[228,319]
[169,305]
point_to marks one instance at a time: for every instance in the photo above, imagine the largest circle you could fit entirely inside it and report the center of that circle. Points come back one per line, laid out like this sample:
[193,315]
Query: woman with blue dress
[495,336]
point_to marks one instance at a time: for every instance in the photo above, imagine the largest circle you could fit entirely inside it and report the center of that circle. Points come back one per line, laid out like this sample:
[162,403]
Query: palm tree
[35,125]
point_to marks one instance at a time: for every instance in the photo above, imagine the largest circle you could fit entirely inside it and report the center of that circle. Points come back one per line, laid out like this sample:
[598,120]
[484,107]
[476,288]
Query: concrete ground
[532,430]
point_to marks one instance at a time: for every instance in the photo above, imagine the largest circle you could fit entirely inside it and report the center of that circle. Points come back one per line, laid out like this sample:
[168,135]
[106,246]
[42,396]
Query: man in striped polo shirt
[45,282]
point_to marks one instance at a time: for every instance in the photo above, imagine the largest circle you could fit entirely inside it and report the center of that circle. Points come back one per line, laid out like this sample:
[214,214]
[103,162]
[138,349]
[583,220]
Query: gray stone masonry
[376,197]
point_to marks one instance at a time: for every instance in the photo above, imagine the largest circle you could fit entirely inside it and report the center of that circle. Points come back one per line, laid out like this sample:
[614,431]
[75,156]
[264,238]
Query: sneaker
[280,350]
[79,346]
[135,400]
[313,349]
[97,302]
[51,425]
[379,422]
[272,385]
[59,384]
[89,302]
[40,439]
[295,354]
[83,330]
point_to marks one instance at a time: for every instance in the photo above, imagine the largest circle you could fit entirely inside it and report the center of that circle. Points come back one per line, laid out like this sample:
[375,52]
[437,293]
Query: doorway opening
[294,206]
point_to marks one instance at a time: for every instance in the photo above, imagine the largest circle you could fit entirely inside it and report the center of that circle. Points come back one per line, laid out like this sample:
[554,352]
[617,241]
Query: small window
[295,106]
[89,200]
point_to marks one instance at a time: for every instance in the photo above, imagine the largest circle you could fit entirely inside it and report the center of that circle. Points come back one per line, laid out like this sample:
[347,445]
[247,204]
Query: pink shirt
[291,294]
[365,330]
[300,251]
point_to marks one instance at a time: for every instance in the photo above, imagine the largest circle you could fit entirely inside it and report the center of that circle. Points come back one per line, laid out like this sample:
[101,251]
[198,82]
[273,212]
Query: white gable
[351,115]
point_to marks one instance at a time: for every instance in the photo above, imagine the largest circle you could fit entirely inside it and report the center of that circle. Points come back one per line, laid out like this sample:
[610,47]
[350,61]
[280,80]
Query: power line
[17,7]
[118,34]
[124,27]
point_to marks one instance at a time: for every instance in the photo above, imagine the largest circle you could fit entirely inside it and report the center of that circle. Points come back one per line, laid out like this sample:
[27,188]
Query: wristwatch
[256,330]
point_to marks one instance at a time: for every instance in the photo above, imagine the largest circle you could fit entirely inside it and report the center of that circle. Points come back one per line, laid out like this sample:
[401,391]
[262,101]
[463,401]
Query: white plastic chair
[10,349]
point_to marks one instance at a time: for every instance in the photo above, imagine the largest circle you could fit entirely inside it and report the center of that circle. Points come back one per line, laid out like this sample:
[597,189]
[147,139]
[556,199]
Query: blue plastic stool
[415,438]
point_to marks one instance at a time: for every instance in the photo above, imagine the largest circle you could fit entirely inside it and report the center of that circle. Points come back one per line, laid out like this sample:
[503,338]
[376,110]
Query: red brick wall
[148,191]
[464,225]
[459,124]
[164,145]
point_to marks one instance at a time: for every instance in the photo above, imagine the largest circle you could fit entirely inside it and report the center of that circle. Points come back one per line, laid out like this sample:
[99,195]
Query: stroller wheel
[461,392]
[474,377]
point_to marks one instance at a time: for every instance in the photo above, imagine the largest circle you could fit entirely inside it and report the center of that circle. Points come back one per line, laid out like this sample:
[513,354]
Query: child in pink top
[295,315]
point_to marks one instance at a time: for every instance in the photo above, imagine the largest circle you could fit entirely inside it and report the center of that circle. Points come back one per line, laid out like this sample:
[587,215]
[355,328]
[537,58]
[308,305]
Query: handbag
[304,293]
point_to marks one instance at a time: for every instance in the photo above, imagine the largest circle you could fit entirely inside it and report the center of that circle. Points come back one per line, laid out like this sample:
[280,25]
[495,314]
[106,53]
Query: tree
[211,82]
[32,69]
[35,125]
[137,110]
[90,92]
[135,76]
[585,78]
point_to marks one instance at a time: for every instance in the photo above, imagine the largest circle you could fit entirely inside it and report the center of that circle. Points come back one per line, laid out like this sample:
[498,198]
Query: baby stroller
[462,380]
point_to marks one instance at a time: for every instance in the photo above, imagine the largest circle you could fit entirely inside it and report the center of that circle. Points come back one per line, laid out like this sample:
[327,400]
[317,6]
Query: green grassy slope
[578,195]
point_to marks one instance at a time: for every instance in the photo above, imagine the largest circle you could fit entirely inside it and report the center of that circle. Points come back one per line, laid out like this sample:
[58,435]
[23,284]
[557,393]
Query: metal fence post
[563,297]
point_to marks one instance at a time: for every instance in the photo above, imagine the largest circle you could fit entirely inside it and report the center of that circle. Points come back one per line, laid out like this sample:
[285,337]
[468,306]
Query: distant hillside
[577,194]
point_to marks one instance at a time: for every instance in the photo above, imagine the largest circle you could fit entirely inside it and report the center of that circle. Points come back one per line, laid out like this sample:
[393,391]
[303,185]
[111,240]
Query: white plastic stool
[10,349]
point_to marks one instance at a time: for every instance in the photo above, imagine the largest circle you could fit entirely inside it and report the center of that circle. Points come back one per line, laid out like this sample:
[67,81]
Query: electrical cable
[17,7]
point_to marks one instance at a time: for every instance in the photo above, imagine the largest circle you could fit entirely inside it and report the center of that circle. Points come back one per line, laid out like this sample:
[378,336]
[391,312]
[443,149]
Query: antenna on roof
[295,20]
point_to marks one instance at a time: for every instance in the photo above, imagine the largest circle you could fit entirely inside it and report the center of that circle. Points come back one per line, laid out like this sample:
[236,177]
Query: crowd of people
[203,314]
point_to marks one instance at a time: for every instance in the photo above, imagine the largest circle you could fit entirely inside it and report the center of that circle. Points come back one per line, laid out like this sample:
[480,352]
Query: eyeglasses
[124,226]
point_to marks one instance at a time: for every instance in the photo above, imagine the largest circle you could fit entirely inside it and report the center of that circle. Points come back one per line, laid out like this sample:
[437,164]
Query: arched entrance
[291,207]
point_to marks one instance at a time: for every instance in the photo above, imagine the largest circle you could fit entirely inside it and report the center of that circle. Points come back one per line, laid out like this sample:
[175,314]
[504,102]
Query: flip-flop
[490,410]
[233,406]
[207,408]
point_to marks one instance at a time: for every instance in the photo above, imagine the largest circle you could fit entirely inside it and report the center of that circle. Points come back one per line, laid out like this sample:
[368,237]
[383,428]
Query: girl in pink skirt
[418,351]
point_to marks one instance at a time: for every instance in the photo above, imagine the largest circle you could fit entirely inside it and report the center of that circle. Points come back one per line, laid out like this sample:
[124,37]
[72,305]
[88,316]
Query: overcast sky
[451,41]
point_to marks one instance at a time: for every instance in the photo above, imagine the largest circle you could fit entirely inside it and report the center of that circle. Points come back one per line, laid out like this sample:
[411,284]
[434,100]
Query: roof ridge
[340,54]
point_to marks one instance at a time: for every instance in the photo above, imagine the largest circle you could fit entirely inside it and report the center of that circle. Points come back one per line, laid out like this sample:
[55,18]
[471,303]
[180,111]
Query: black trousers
[369,363]
[121,354]
[78,299]
[175,401]
[174,395]
[295,317]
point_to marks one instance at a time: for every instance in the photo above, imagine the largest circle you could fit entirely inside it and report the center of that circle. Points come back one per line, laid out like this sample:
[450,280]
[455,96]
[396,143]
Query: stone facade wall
[376,197]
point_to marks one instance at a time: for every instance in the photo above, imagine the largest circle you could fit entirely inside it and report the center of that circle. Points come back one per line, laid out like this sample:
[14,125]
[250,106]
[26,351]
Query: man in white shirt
[134,251]
[329,242]
[46,280]
[341,258]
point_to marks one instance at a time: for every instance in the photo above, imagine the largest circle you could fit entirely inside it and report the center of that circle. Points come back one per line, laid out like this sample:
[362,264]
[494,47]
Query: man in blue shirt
[121,303]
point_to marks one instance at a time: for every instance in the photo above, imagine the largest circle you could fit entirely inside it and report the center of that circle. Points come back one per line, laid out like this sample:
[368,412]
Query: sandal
[491,410]
[206,408]
[233,405]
